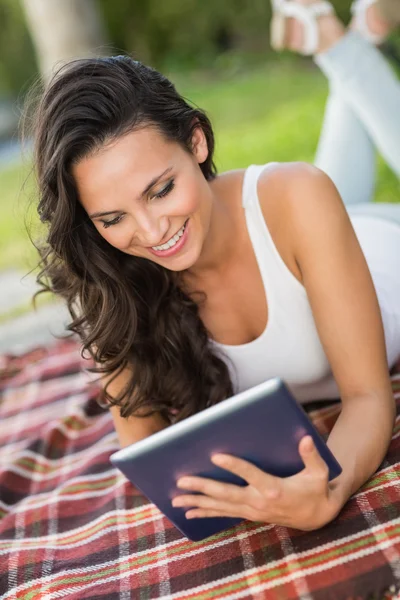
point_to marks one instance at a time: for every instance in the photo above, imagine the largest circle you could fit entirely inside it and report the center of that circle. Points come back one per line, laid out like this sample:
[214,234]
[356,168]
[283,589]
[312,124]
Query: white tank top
[290,347]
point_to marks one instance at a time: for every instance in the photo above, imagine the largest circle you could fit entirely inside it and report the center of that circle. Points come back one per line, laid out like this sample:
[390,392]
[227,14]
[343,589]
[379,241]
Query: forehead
[125,165]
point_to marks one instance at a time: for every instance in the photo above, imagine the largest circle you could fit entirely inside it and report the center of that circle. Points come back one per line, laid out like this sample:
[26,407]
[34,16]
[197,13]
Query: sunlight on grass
[17,213]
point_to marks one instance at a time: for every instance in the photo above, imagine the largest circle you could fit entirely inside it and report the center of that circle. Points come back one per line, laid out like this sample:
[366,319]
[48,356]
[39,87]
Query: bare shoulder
[287,192]
[278,180]
[297,196]
[282,192]
[310,200]
[291,182]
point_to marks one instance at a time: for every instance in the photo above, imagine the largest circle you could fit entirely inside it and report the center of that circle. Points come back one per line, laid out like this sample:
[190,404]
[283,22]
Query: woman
[186,285]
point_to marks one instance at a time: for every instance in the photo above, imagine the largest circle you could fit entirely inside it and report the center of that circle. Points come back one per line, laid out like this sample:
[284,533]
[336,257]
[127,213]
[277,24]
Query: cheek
[116,236]
[193,199]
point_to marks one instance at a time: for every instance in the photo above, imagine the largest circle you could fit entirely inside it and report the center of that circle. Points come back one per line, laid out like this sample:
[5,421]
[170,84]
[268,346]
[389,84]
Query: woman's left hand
[304,501]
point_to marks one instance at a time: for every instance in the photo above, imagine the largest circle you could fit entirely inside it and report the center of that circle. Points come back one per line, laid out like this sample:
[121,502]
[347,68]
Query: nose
[150,229]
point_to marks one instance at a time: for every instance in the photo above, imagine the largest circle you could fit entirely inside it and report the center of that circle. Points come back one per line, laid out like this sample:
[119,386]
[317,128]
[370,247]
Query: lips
[171,237]
[176,247]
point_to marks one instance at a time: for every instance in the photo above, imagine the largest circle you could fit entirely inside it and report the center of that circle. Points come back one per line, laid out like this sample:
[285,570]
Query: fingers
[312,459]
[210,487]
[203,506]
[246,470]
[201,513]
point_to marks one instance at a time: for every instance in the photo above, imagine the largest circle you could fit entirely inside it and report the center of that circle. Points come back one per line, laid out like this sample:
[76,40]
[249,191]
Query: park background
[264,106]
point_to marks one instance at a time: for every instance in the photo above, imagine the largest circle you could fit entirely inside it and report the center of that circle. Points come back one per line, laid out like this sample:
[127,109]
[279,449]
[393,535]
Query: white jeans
[362,113]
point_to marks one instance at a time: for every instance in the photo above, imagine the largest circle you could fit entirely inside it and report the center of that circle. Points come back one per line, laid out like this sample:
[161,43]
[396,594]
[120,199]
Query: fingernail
[310,443]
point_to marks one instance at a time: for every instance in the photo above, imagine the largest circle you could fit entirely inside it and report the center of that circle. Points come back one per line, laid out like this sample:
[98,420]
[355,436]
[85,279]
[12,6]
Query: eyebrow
[145,191]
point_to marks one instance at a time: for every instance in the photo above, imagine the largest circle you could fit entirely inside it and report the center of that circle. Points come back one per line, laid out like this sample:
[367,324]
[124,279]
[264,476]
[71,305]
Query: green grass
[17,213]
[272,112]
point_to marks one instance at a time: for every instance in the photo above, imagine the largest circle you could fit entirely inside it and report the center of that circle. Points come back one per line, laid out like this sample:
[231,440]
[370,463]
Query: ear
[199,144]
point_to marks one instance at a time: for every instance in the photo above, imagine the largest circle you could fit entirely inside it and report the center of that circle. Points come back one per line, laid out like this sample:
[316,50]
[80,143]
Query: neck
[221,246]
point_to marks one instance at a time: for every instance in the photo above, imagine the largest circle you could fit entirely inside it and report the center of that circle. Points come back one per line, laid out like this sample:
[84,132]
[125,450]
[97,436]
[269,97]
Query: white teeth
[172,241]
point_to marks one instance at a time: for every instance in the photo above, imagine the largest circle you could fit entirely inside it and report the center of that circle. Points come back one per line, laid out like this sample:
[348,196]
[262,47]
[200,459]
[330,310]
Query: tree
[17,60]
[64,29]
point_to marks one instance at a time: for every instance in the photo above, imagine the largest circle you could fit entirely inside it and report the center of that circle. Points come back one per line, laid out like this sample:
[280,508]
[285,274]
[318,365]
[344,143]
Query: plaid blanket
[72,526]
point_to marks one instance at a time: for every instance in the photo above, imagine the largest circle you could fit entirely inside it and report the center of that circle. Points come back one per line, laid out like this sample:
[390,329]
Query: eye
[113,222]
[168,188]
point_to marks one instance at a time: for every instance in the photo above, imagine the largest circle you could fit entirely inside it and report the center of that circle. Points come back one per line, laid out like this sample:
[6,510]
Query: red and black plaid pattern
[72,526]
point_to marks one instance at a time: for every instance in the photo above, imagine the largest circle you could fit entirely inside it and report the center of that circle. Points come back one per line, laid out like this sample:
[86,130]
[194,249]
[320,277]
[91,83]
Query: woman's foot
[369,21]
[293,34]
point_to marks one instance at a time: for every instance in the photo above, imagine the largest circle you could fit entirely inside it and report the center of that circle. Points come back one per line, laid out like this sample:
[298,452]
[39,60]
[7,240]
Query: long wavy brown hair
[129,312]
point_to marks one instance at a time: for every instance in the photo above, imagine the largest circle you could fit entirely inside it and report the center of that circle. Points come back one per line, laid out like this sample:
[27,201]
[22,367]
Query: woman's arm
[347,315]
[134,428]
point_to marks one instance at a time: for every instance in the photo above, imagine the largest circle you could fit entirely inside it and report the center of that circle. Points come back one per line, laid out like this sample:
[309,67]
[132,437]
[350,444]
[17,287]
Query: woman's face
[148,197]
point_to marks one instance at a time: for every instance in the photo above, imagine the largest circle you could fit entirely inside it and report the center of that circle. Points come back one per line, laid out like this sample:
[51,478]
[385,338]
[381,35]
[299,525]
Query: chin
[179,263]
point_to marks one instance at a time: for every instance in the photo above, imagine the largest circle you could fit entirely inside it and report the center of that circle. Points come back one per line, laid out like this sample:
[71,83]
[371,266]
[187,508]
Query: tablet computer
[262,425]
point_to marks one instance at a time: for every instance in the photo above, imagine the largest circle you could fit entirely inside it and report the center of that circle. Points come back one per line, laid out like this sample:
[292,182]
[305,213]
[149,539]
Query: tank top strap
[250,181]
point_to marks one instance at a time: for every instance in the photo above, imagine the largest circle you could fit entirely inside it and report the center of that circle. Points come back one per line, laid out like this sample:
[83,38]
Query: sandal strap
[321,8]
[307,15]
[359,11]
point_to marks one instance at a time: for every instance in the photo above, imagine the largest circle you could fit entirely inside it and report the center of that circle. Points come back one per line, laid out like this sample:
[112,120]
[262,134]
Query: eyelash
[164,192]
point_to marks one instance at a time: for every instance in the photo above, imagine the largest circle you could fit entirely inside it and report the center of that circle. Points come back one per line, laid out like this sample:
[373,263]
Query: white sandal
[359,11]
[306,14]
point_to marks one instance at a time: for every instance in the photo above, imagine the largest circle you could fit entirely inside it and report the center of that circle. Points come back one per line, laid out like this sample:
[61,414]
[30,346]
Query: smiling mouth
[173,240]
